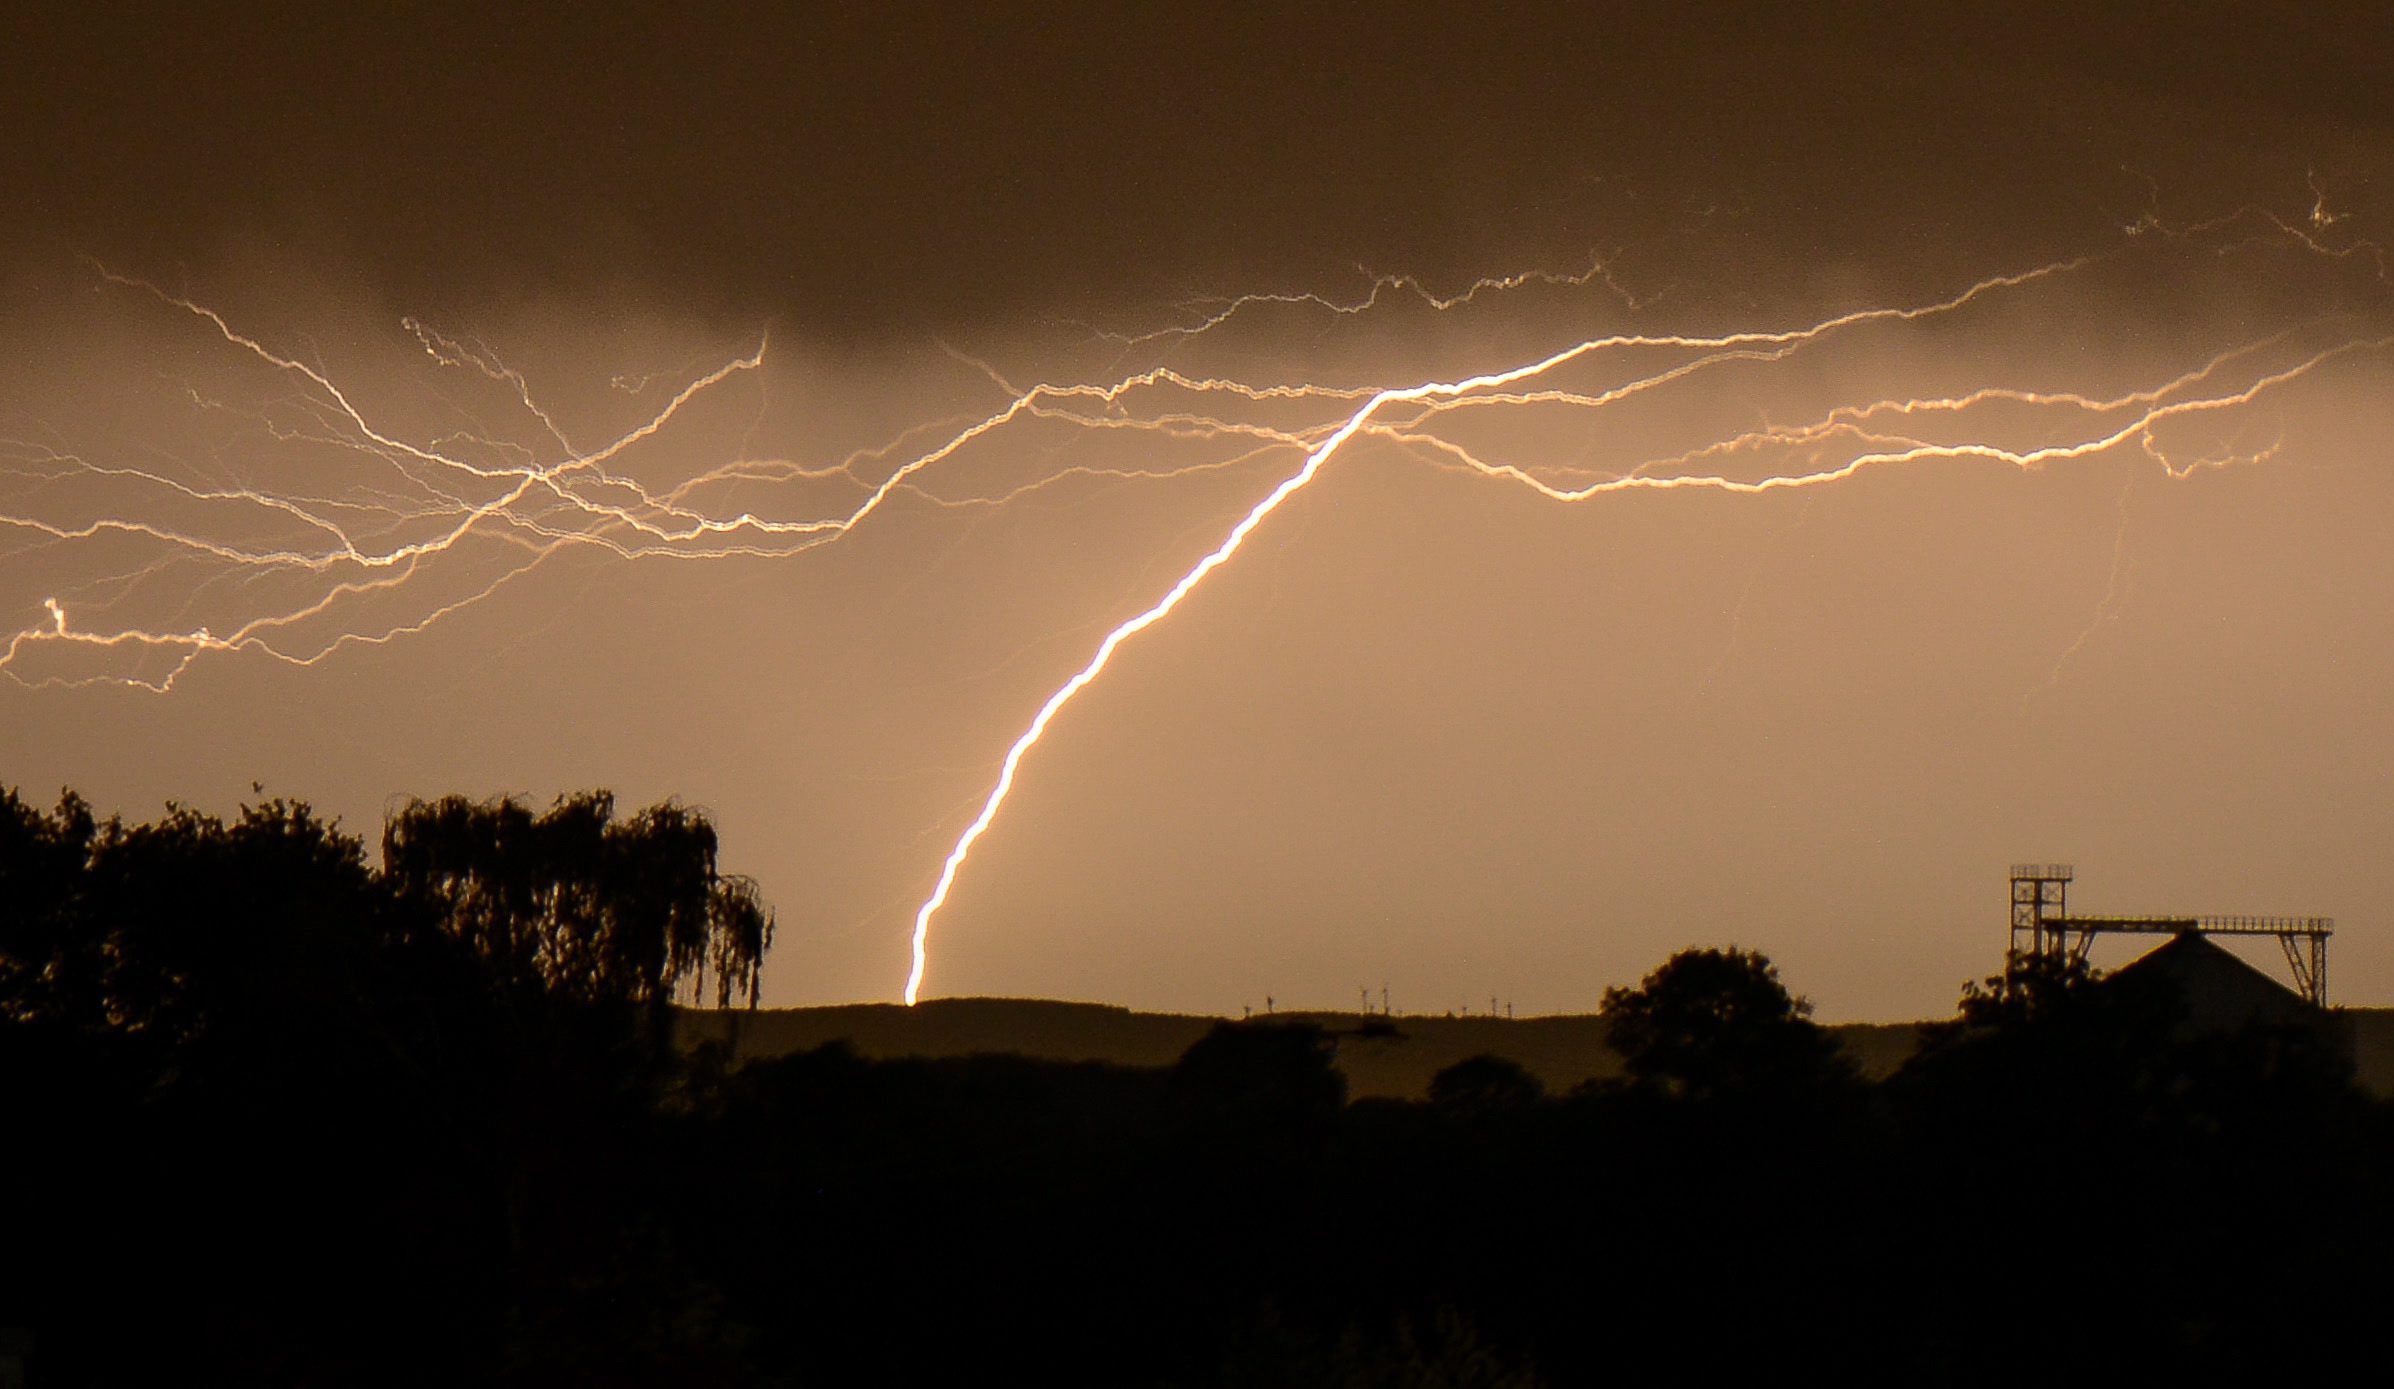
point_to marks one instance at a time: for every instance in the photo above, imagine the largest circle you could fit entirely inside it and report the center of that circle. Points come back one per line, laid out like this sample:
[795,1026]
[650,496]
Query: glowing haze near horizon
[1717,563]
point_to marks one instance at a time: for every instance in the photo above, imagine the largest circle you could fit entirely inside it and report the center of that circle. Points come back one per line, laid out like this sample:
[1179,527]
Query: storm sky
[1430,728]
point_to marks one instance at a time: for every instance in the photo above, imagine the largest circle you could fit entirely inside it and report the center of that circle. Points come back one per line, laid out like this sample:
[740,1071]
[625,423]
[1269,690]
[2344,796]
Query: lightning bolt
[580,486]
[430,526]
[1749,346]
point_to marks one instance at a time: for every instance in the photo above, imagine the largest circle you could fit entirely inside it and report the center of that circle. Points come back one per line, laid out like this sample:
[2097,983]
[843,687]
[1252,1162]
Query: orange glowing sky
[1816,463]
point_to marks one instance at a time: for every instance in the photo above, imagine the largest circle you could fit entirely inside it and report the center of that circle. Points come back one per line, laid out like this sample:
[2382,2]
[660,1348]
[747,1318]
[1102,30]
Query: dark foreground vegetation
[272,1114]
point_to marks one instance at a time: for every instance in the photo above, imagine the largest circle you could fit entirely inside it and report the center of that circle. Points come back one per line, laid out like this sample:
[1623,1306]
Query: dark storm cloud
[867,167]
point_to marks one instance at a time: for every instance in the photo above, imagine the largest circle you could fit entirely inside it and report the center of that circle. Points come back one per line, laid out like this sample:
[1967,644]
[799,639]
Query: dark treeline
[278,1115]
[272,1115]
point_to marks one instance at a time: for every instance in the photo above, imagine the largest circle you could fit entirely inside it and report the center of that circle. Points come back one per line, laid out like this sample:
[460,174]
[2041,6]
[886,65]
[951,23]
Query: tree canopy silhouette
[241,1033]
[1711,1023]
[299,1118]
[1485,1084]
[186,927]
[1282,1071]
[583,903]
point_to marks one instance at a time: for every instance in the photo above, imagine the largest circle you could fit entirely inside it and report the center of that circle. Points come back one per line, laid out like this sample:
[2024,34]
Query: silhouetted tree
[2053,1044]
[584,904]
[2034,987]
[1710,1023]
[297,1120]
[248,1047]
[1485,1085]
[1273,1070]
[180,929]
[47,961]
[238,1034]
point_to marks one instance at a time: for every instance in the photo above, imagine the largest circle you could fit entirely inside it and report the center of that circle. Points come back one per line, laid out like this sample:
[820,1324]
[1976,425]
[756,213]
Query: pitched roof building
[2219,992]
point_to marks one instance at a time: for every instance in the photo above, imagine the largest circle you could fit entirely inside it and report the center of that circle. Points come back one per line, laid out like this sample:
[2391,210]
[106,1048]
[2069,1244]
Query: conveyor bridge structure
[2042,925]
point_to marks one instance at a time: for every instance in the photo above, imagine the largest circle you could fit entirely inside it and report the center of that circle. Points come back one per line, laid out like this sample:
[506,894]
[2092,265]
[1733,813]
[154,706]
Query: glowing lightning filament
[1097,663]
[393,535]
[1735,346]
[1289,487]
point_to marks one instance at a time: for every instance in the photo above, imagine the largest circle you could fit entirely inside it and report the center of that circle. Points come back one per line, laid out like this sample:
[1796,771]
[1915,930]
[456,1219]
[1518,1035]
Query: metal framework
[2042,922]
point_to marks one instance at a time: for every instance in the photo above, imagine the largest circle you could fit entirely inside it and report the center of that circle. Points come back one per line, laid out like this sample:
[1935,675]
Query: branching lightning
[350,560]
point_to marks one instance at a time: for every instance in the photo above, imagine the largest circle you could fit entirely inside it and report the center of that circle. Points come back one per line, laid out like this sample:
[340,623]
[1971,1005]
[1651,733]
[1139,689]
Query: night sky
[1430,726]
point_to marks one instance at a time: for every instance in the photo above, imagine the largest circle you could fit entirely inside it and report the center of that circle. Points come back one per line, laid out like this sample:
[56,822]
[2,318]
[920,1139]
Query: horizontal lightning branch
[392,533]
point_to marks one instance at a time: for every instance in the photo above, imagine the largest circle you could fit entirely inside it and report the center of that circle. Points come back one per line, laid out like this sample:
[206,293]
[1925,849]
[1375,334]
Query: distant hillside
[1034,1027]
[1561,1051]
